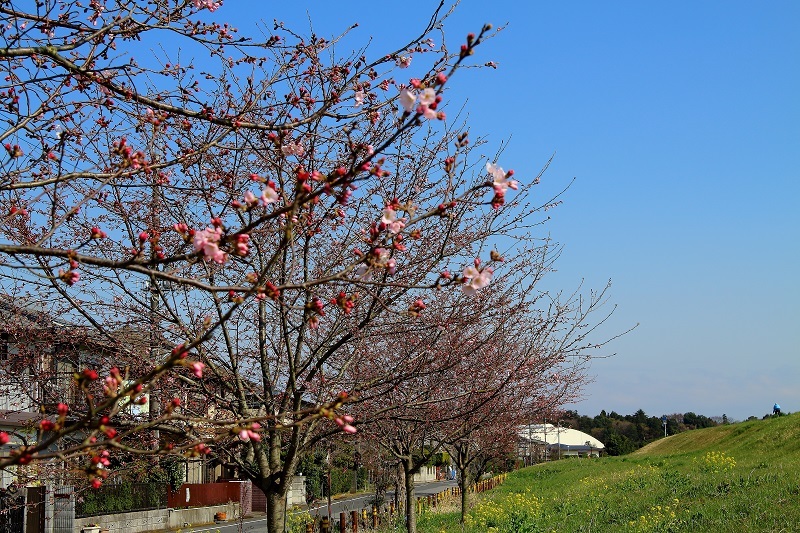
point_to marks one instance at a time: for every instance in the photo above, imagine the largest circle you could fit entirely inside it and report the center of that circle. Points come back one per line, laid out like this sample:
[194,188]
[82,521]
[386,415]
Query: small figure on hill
[776,410]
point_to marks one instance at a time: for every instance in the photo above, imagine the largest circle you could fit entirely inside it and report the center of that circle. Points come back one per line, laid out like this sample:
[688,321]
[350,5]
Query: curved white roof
[553,436]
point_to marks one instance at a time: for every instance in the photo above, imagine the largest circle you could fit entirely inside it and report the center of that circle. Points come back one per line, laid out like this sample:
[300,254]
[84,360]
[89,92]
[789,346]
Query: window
[4,342]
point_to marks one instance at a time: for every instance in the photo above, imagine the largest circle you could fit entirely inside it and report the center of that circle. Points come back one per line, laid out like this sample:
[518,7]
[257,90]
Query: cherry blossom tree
[483,363]
[490,433]
[224,241]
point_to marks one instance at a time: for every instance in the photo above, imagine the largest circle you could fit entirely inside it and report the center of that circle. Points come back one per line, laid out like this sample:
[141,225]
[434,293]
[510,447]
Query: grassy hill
[739,477]
[778,437]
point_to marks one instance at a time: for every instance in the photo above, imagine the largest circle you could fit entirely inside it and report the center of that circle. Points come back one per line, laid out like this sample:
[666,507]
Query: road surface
[362,502]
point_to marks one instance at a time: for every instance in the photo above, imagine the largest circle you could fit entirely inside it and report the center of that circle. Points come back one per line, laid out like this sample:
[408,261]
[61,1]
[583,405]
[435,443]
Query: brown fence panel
[259,500]
[34,521]
[204,494]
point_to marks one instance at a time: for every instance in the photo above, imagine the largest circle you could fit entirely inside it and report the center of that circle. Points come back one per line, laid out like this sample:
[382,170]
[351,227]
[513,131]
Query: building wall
[141,521]
[426,474]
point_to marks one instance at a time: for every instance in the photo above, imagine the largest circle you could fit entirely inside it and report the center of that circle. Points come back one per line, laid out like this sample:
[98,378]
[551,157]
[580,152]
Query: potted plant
[220,516]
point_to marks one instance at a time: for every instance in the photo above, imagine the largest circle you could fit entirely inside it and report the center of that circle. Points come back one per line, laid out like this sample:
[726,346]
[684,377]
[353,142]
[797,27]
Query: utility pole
[546,444]
[153,404]
[530,445]
[558,432]
[329,483]
[153,407]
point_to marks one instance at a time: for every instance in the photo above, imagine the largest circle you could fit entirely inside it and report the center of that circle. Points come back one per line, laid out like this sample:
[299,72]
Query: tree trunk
[462,461]
[411,503]
[399,485]
[276,511]
[463,484]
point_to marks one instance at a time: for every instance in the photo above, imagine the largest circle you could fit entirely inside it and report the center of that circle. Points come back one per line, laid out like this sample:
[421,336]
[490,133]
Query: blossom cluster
[207,242]
[391,222]
[424,101]
[211,5]
[250,433]
[475,278]
[500,183]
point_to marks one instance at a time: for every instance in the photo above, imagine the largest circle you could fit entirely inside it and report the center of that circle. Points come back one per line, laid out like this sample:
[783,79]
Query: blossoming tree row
[237,247]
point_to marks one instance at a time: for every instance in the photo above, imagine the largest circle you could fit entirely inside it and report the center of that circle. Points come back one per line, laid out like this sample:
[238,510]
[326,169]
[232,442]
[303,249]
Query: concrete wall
[140,521]
[201,515]
[134,522]
[425,474]
[297,492]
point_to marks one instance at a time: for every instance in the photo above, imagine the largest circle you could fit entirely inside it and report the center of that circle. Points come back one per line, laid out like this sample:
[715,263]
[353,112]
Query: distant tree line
[626,433]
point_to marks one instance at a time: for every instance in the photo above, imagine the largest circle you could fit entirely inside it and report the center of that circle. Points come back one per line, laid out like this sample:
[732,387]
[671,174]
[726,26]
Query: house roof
[17,418]
[28,313]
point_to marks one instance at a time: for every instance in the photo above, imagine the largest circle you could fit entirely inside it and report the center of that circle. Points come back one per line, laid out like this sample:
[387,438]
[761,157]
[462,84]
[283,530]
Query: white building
[540,441]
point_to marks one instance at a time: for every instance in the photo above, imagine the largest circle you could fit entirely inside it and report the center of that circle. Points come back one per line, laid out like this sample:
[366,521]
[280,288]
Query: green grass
[740,477]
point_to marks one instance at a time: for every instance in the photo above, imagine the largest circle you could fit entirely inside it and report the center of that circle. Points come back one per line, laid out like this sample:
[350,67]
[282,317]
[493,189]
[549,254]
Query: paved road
[259,525]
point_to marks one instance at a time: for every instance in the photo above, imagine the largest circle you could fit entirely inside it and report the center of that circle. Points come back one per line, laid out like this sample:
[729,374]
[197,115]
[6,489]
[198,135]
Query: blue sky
[680,123]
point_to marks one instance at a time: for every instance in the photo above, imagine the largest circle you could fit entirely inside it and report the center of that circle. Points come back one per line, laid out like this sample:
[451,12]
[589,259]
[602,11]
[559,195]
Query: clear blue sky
[681,123]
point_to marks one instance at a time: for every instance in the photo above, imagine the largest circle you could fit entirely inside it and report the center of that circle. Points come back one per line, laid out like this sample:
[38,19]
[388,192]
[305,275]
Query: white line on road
[334,502]
[217,527]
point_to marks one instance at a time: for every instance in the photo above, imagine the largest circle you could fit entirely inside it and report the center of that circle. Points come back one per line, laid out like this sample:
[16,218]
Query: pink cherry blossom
[242,241]
[344,423]
[207,241]
[70,277]
[427,97]
[381,253]
[476,279]
[501,182]
[197,368]
[269,195]
[293,148]
[426,112]
[211,5]
[407,99]
[358,98]
[427,104]
[403,61]
[248,434]
[393,224]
